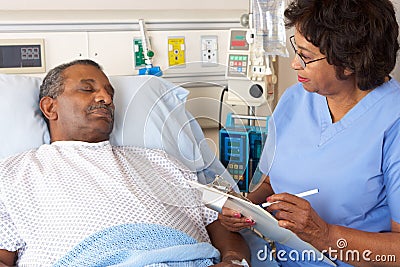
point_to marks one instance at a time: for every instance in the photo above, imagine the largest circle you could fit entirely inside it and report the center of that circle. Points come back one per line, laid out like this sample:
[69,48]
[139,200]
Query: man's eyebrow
[88,81]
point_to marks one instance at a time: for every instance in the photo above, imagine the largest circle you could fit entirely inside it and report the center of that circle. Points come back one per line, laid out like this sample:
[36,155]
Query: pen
[303,194]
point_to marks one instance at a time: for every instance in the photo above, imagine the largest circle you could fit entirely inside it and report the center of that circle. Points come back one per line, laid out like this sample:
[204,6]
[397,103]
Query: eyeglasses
[303,63]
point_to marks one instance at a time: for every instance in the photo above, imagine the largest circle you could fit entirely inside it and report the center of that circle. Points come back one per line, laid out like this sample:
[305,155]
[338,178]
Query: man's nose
[104,96]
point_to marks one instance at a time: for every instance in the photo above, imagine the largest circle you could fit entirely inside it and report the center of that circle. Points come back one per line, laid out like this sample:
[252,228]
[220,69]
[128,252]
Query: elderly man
[80,200]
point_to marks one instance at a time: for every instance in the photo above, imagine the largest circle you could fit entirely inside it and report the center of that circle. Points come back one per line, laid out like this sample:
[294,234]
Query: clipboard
[266,224]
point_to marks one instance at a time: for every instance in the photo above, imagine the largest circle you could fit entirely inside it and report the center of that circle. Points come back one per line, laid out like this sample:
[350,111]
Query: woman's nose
[295,64]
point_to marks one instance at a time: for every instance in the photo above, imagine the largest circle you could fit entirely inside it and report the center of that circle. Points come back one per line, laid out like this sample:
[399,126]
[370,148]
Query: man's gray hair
[53,83]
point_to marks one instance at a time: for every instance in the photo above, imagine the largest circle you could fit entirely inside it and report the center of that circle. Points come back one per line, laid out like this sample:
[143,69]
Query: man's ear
[48,107]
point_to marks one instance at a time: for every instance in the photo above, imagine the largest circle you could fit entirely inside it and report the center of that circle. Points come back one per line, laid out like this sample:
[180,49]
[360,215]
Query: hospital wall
[105,30]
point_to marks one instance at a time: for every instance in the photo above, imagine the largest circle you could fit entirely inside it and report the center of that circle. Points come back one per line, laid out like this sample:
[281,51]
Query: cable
[221,100]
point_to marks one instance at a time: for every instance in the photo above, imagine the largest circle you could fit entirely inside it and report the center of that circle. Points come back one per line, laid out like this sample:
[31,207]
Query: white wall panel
[113,51]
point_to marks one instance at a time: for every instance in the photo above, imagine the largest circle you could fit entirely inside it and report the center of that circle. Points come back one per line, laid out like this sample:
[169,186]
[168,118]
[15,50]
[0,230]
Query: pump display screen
[233,144]
[238,40]
[234,149]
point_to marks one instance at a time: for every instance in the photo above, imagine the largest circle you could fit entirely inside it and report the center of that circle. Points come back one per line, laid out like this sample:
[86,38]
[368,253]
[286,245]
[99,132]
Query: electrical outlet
[176,51]
[209,50]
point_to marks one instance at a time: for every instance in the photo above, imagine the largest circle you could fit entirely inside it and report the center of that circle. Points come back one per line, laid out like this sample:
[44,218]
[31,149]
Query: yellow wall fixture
[176,51]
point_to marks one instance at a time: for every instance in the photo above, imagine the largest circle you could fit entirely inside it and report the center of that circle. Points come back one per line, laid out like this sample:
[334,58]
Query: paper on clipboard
[266,224]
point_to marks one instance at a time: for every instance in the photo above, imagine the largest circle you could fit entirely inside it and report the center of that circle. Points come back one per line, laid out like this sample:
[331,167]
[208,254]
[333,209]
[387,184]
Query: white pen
[303,194]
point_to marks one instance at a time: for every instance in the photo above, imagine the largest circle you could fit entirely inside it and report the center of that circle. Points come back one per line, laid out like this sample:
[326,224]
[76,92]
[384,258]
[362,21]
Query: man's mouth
[102,112]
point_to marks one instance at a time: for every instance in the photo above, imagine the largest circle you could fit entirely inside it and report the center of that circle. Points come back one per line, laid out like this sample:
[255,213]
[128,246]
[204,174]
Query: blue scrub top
[355,162]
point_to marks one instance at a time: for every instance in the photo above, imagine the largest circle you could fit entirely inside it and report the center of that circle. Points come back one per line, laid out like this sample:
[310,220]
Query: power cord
[221,100]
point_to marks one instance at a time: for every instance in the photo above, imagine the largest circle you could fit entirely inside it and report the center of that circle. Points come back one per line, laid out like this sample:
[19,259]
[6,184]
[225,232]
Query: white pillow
[149,112]
[23,126]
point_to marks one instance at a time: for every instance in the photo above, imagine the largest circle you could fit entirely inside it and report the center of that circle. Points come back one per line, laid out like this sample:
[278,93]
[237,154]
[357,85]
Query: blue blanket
[139,245]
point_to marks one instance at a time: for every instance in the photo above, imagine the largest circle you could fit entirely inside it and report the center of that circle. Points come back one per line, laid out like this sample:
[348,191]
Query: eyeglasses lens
[301,61]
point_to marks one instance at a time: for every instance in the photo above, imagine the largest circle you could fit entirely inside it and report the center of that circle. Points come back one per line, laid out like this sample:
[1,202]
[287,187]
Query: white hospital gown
[54,197]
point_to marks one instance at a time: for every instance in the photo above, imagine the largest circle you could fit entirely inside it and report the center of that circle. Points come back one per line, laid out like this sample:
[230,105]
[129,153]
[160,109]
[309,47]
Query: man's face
[85,110]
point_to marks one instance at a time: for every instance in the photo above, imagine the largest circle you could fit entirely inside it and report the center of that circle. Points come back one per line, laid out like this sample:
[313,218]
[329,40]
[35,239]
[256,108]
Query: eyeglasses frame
[303,63]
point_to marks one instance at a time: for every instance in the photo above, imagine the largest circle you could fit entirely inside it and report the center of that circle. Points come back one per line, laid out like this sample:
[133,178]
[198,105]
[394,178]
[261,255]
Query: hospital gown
[355,162]
[57,195]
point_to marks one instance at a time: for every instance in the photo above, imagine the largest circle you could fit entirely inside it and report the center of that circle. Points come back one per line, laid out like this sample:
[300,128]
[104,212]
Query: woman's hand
[233,220]
[233,260]
[296,214]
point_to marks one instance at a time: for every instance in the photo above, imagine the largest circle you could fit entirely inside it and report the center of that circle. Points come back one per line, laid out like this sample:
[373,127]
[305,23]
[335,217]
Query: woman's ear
[48,107]
[348,72]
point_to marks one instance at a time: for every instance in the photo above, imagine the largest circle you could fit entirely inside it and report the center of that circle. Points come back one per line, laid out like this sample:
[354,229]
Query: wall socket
[176,51]
[209,50]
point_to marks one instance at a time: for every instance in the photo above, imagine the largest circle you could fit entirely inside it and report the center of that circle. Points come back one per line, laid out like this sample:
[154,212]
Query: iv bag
[269,25]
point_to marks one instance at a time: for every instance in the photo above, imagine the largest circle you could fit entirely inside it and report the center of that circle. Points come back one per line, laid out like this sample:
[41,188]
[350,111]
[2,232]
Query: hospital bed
[149,112]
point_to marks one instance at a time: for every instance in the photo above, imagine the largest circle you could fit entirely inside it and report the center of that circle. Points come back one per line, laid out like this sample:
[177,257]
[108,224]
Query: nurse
[337,130]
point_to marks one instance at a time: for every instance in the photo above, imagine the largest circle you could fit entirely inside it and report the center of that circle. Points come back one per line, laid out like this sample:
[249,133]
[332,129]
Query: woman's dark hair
[359,35]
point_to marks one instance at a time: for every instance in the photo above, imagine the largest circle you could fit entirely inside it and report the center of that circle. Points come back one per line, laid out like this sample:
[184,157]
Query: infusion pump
[247,70]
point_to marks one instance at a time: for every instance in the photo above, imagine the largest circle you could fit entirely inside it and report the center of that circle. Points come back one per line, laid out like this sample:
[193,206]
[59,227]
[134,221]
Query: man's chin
[102,130]
[98,137]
